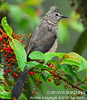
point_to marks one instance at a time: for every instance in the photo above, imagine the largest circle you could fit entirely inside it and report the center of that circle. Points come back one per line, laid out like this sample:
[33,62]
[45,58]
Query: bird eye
[56,14]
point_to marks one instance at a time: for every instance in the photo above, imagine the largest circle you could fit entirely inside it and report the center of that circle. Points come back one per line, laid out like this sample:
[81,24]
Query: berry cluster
[8,53]
[36,88]
[15,75]
[32,73]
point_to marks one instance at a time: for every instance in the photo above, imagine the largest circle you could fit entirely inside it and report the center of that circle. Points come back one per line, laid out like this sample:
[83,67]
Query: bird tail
[19,84]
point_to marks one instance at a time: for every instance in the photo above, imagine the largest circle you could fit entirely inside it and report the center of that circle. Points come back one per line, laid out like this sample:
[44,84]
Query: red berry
[13,33]
[5,55]
[4,34]
[77,11]
[30,73]
[72,4]
[4,48]
[9,60]
[9,47]
[54,76]
[20,41]
[34,73]
[4,71]
[9,70]
[14,74]
[13,57]
[49,80]
[1,38]
[19,36]
[5,43]
[8,51]
[50,65]
[32,92]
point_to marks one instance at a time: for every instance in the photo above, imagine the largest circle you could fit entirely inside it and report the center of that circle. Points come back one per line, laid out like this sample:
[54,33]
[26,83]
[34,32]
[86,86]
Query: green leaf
[0,65]
[42,66]
[75,59]
[7,87]
[84,87]
[69,62]
[83,66]
[22,97]
[49,56]
[37,55]
[53,62]
[31,64]
[66,68]
[6,27]
[69,78]
[35,64]
[5,95]
[1,75]
[19,52]
[45,75]
[61,55]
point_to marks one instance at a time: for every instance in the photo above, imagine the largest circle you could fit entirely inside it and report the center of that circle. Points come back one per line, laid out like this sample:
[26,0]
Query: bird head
[54,15]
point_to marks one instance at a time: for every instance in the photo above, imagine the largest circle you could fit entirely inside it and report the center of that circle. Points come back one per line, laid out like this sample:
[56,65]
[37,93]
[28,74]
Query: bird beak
[64,16]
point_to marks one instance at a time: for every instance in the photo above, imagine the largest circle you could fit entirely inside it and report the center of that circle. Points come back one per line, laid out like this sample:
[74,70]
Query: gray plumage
[44,39]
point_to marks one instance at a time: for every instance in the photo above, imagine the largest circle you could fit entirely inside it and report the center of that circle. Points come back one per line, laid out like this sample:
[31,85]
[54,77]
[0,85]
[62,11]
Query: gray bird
[44,39]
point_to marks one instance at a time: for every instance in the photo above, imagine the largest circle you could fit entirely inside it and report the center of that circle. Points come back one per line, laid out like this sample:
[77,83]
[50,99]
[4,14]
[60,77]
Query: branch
[65,80]
[73,86]
[2,31]
[5,83]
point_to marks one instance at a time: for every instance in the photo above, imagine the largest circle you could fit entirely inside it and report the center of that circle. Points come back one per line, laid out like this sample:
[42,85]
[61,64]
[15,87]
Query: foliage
[6,27]
[4,90]
[15,45]
[45,67]
[81,44]
[64,72]
[21,14]
[81,9]
[73,22]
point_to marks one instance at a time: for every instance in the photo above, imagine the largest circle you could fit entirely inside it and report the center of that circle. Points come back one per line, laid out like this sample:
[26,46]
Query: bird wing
[41,40]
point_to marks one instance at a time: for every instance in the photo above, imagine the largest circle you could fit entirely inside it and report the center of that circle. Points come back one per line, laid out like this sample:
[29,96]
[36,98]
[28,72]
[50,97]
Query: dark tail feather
[19,84]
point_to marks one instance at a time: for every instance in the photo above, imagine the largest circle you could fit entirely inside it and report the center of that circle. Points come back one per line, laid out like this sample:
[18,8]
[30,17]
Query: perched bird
[44,39]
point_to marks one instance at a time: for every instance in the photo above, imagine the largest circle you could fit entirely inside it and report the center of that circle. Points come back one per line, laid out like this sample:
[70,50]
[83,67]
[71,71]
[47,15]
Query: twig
[65,80]
[2,31]
[5,83]
[73,86]
[14,98]
[81,83]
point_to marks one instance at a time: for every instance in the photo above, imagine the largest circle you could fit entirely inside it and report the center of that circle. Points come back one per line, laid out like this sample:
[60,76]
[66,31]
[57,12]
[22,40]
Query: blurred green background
[24,15]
